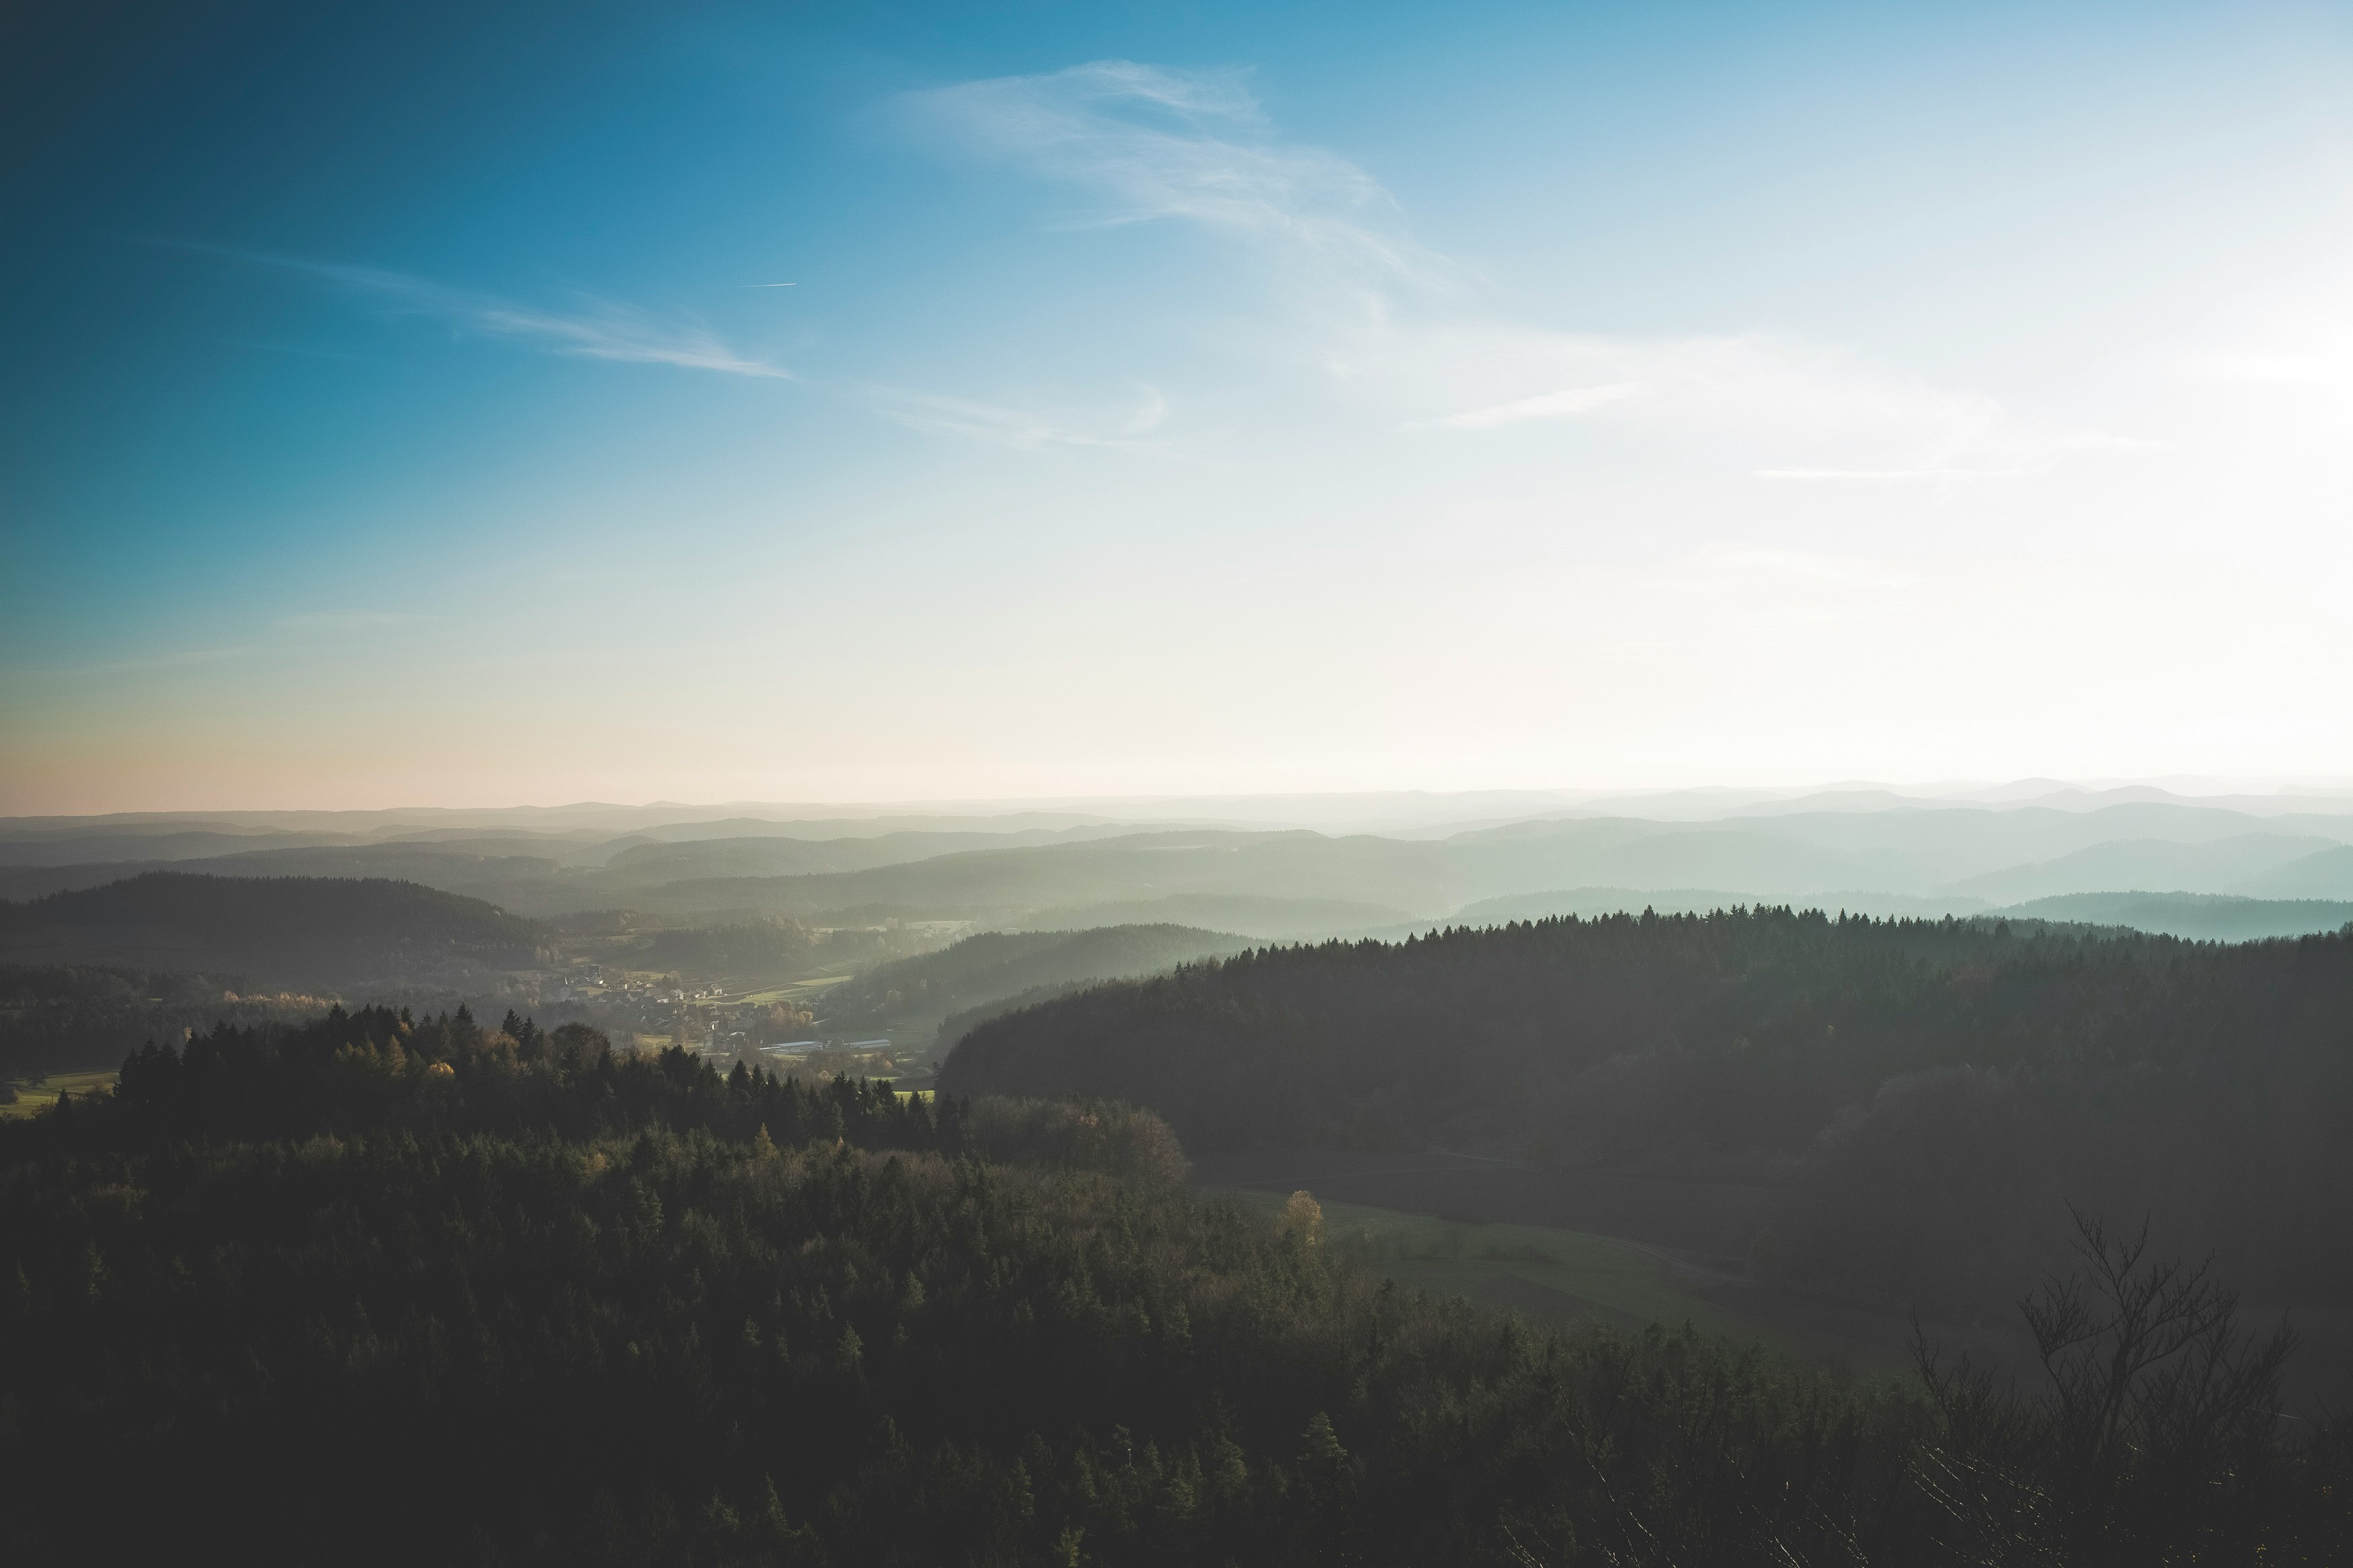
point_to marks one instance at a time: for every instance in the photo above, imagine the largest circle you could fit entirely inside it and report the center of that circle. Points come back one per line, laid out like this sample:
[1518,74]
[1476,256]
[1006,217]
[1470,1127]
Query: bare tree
[2149,1370]
[2156,1398]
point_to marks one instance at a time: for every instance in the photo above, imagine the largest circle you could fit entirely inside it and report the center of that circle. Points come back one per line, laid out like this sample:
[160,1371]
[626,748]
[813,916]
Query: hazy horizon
[1309,805]
[1341,803]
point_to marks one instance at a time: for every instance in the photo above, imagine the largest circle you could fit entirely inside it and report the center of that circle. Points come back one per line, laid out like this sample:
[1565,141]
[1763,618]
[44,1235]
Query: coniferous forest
[1923,1100]
[385,1288]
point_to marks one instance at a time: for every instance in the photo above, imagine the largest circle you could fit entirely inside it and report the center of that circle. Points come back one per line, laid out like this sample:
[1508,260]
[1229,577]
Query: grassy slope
[42,1093]
[1558,1275]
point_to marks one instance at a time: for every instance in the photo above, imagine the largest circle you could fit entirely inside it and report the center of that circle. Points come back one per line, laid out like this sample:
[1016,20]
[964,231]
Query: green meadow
[39,1094]
[799,990]
[1559,1275]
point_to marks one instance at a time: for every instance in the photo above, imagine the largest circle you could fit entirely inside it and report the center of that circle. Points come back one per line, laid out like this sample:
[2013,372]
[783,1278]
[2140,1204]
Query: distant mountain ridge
[2323,874]
[1590,901]
[1858,848]
[1925,855]
[2221,865]
[657,862]
[2201,917]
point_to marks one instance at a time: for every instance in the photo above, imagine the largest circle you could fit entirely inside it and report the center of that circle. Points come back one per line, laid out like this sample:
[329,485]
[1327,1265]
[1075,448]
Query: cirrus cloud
[594,329]
[1397,325]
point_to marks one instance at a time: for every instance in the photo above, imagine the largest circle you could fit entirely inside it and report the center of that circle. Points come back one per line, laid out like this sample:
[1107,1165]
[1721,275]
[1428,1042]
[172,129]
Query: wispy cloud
[1396,322]
[594,329]
[1148,143]
[1779,407]
[1024,429]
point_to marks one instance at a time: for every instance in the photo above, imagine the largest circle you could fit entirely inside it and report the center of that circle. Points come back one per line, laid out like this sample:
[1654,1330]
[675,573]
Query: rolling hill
[1856,849]
[653,863]
[2324,874]
[1921,1099]
[911,995]
[2221,866]
[2200,917]
[298,930]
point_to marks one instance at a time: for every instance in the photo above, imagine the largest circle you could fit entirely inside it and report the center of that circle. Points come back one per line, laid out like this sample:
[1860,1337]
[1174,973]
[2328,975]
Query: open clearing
[794,991]
[1695,1233]
[42,1093]
[1559,1275]
[1712,1222]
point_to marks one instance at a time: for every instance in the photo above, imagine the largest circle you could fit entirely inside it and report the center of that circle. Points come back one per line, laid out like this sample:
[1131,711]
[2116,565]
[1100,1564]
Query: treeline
[58,1017]
[1927,1094]
[393,1313]
[378,1070]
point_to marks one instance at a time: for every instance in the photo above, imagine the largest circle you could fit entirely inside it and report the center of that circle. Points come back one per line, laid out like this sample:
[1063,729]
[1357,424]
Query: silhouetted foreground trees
[383,1290]
[1929,1095]
[2157,1436]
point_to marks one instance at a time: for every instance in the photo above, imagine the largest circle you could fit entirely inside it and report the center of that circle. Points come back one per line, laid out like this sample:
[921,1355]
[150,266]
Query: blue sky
[1199,398]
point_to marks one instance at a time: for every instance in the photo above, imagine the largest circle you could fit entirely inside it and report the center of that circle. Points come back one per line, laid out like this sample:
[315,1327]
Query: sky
[464,405]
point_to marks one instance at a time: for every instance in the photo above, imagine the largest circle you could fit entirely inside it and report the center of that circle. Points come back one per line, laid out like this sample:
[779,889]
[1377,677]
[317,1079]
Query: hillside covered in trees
[303,930]
[1925,1096]
[385,1288]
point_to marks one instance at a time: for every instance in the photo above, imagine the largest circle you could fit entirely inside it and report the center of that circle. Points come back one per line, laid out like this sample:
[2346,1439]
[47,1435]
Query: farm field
[1565,1276]
[42,1093]
[796,991]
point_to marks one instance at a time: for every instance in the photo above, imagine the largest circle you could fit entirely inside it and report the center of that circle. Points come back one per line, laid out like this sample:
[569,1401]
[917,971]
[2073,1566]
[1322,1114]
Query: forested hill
[1929,1095]
[304,930]
[1794,1013]
[394,1289]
